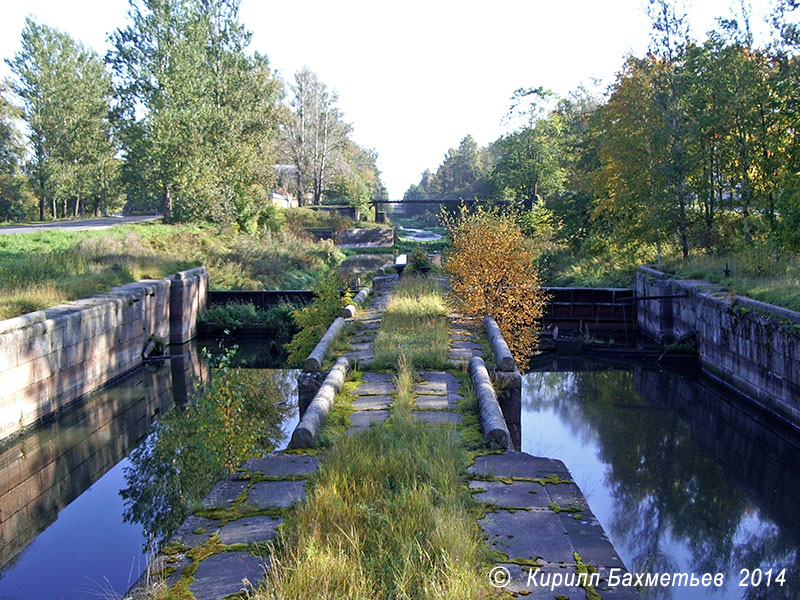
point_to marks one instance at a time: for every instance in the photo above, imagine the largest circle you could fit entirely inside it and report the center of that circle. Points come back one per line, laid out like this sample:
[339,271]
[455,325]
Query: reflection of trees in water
[237,418]
[663,485]
[769,548]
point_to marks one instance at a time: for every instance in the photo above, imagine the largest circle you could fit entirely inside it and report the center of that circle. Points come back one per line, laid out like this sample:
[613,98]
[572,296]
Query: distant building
[282,200]
[283,194]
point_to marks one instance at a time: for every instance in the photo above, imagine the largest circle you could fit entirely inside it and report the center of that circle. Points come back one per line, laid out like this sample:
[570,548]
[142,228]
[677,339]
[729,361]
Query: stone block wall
[752,346]
[50,358]
[188,298]
[368,236]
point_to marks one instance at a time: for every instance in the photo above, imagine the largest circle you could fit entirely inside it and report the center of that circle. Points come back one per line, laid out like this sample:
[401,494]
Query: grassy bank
[415,326]
[40,270]
[760,273]
[387,516]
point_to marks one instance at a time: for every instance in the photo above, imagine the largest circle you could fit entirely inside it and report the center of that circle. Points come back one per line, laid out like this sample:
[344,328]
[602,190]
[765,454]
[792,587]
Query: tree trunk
[166,205]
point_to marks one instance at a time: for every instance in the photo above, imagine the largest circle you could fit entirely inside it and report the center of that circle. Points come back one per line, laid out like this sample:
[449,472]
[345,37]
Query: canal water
[84,497]
[684,476]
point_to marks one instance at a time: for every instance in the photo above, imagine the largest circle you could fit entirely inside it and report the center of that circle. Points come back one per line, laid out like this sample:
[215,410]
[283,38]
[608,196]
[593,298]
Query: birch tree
[314,133]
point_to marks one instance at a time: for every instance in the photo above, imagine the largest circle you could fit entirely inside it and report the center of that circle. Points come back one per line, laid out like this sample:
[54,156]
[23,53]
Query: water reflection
[240,416]
[683,476]
[44,471]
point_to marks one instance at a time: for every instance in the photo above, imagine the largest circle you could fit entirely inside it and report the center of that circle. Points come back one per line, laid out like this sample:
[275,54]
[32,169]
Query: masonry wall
[50,358]
[752,346]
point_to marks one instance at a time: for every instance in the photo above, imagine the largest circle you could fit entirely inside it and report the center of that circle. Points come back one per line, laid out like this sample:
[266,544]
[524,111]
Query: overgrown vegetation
[760,273]
[330,296]
[40,270]
[493,272]
[274,322]
[414,325]
[387,516]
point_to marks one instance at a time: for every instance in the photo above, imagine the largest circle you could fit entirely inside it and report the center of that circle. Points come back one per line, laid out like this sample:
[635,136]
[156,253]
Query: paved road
[99,223]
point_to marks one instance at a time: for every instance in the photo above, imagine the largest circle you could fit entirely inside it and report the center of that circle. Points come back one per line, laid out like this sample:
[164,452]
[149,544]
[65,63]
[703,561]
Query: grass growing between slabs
[414,325]
[387,517]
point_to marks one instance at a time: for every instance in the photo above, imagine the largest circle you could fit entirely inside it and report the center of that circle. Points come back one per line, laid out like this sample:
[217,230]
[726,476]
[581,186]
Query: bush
[313,320]
[493,272]
[275,322]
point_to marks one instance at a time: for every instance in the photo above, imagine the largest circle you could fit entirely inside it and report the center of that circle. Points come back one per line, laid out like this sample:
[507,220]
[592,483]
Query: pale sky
[414,77]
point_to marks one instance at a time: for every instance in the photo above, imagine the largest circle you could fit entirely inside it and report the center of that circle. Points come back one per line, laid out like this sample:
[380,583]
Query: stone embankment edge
[751,346]
[307,430]
[349,311]
[50,358]
[313,363]
[502,355]
[493,424]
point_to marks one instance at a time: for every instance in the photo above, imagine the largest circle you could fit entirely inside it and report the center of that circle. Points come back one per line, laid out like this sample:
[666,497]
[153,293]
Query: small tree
[493,272]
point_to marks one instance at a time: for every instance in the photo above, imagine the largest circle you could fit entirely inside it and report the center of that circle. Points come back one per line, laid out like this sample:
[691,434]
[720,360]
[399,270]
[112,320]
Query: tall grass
[42,269]
[759,272]
[414,325]
[386,517]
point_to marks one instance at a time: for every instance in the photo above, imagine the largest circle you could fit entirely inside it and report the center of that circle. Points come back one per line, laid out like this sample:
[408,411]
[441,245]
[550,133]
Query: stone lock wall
[188,298]
[50,358]
[752,346]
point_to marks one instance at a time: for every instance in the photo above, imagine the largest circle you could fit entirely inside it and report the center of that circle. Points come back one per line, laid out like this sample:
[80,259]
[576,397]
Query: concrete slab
[282,465]
[360,358]
[276,494]
[519,493]
[436,417]
[226,573]
[432,402]
[518,464]
[186,533]
[589,540]
[567,495]
[465,345]
[248,530]
[364,418]
[540,585]
[223,494]
[361,347]
[528,534]
[361,339]
[437,383]
[460,354]
[372,403]
[375,384]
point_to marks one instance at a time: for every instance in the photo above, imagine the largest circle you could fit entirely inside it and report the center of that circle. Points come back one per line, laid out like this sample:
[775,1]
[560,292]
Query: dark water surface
[66,531]
[683,475]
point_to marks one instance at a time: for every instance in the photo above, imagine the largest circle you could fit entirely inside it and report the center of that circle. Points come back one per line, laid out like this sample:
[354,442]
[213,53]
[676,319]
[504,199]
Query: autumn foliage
[492,269]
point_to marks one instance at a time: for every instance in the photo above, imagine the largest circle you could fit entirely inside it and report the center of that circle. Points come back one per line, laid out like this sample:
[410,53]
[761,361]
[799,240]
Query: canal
[85,497]
[683,475]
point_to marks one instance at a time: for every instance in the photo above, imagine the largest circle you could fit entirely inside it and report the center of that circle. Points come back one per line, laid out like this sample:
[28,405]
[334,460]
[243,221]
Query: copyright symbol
[499,577]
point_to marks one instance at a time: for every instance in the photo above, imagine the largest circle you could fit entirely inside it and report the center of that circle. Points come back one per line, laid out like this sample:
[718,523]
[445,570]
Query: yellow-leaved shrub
[492,271]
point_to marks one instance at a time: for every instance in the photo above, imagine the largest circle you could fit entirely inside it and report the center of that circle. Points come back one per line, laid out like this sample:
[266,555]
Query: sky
[414,77]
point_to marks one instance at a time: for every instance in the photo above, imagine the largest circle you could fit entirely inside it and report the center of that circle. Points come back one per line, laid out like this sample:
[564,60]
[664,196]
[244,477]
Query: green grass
[414,325]
[387,516]
[39,270]
[758,273]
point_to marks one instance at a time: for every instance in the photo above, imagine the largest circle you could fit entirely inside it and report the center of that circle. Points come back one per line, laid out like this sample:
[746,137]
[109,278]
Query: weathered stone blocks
[50,358]
[750,345]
